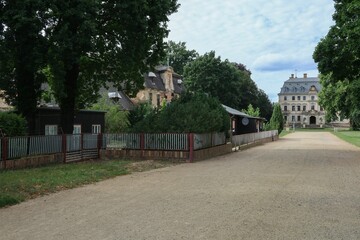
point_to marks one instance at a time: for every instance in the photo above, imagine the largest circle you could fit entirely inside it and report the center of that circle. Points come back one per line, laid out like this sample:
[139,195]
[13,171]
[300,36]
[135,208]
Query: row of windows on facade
[299,108]
[293,118]
[294,89]
[299,98]
[158,99]
[53,129]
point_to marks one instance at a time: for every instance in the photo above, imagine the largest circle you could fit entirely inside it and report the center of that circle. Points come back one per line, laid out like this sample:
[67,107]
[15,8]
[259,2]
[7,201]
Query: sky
[273,38]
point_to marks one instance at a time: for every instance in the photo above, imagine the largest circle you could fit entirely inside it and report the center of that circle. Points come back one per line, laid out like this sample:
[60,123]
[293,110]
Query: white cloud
[270,37]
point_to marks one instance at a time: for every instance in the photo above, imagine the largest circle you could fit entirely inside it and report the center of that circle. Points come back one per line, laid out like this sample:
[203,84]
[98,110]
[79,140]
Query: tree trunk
[68,102]
[27,97]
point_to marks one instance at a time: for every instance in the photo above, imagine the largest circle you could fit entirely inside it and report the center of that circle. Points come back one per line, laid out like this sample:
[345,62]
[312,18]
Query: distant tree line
[229,82]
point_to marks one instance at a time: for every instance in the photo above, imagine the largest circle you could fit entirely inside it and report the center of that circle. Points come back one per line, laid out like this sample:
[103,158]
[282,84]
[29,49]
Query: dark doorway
[312,120]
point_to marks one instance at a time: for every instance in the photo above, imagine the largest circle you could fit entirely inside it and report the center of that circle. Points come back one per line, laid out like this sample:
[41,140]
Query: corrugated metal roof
[233,111]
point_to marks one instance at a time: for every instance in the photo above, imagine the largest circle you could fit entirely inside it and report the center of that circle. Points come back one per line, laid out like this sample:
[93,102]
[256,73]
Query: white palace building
[299,102]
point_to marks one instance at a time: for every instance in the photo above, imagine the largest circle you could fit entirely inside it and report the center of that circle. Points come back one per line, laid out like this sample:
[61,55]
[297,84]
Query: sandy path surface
[304,186]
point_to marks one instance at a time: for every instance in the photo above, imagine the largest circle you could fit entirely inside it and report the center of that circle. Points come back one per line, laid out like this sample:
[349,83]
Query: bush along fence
[244,140]
[18,152]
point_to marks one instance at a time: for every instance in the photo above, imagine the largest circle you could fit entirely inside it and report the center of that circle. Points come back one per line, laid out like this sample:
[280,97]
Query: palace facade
[298,99]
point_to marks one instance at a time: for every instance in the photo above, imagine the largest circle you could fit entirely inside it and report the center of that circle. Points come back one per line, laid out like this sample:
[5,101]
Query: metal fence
[242,139]
[166,141]
[121,140]
[45,144]
[81,145]
[206,140]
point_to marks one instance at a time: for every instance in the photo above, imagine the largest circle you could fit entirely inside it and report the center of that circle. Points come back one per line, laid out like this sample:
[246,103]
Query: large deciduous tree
[87,42]
[177,56]
[232,85]
[338,59]
[23,48]
[93,41]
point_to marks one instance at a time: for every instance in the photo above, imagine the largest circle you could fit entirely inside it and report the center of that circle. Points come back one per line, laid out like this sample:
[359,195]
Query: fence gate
[82,146]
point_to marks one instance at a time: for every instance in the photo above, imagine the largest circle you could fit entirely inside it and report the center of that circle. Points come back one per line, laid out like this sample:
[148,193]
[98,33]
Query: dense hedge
[12,124]
[195,113]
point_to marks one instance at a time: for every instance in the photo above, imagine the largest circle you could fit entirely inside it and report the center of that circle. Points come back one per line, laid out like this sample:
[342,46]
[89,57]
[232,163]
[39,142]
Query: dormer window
[115,96]
[151,75]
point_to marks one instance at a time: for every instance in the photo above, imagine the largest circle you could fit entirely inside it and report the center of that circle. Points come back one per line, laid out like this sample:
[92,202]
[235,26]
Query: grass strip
[352,137]
[19,185]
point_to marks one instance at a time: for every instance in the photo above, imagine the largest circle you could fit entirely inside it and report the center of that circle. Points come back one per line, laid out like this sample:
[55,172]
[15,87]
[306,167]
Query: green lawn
[19,185]
[352,137]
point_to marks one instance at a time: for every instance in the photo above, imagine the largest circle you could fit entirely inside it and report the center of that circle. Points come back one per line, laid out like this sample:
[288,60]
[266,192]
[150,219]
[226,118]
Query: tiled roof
[300,85]
[123,100]
[154,82]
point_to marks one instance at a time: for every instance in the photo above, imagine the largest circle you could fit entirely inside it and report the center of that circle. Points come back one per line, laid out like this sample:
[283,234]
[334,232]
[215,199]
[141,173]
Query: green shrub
[195,113]
[12,124]
[116,120]
[277,120]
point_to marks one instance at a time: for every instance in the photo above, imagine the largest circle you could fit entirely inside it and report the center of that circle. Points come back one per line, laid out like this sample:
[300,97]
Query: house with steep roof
[160,86]
[298,99]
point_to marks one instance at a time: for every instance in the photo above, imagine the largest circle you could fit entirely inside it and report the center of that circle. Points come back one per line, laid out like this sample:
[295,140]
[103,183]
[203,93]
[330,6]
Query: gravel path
[304,186]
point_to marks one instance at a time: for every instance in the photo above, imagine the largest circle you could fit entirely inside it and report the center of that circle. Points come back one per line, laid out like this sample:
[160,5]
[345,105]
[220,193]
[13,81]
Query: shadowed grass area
[19,185]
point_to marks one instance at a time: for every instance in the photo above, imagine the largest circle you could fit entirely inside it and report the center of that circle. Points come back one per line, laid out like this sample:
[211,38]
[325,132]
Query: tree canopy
[225,81]
[177,56]
[23,48]
[251,111]
[338,59]
[85,43]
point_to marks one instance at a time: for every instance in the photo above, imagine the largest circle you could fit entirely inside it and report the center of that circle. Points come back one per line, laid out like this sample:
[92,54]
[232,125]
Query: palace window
[298,118]
[293,108]
[285,108]
[285,98]
[304,98]
[312,98]
[150,97]
[298,108]
[304,108]
[293,98]
[299,98]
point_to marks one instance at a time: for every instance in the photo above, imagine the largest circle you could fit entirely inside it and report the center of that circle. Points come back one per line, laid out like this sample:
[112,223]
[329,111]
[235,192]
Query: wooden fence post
[64,147]
[142,144]
[191,147]
[99,143]
[4,148]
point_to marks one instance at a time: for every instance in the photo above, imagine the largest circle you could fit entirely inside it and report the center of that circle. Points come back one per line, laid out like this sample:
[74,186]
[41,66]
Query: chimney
[292,75]
[305,75]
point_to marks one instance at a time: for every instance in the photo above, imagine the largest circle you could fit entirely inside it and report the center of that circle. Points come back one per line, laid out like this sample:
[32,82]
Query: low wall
[33,161]
[258,142]
[212,152]
[165,155]
[143,154]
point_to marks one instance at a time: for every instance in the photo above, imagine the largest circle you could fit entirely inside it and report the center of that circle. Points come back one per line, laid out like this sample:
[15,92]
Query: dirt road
[304,186]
